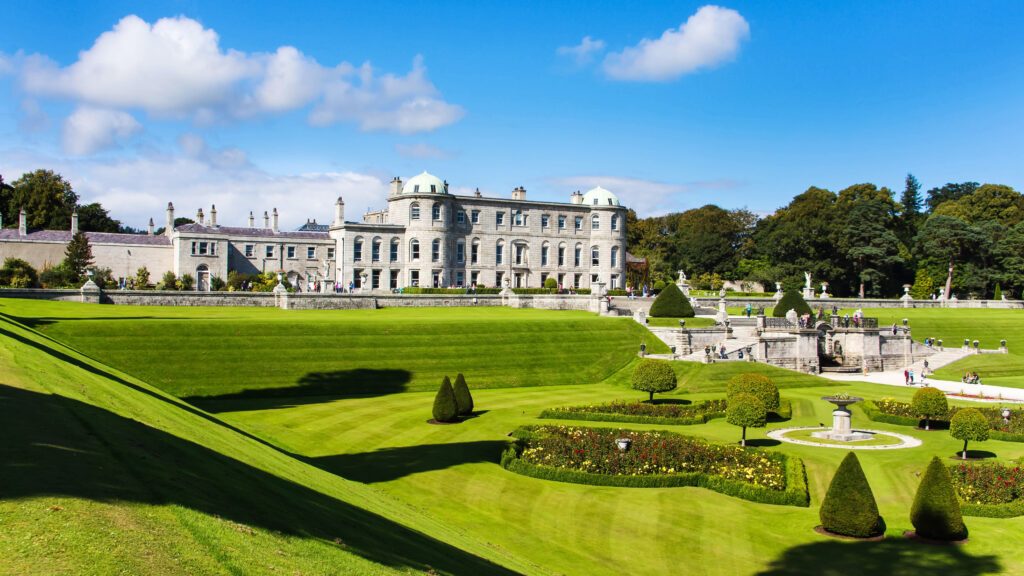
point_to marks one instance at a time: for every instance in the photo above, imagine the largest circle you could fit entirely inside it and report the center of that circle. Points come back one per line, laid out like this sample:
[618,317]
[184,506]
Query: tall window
[375,250]
[579,222]
[249,250]
[595,256]
[414,211]
[435,250]
[436,212]
[330,253]
[414,250]
[461,217]
[498,253]
[561,255]
[615,221]
[615,256]
[460,251]
[545,220]
[291,251]
[269,252]
[311,252]
[518,219]
[474,216]
[474,252]
[544,254]
[499,219]
[394,249]
[520,254]
[595,222]
[577,256]
[561,222]
[357,249]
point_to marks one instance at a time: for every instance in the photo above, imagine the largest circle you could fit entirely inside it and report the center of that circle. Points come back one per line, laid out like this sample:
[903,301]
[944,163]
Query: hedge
[1008,510]
[876,415]
[791,300]
[795,493]
[785,411]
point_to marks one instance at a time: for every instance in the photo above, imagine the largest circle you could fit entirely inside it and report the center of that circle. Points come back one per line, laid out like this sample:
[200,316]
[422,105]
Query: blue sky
[671,105]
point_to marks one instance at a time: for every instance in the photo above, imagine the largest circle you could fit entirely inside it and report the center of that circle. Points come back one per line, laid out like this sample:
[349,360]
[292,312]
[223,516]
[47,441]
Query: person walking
[911,376]
[906,378]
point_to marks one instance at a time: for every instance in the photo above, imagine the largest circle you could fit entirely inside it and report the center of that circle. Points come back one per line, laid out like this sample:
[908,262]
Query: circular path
[905,441]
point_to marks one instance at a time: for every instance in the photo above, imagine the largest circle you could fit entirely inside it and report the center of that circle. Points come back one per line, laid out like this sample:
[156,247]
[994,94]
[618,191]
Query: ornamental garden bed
[655,459]
[660,412]
[900,413]
[990,489]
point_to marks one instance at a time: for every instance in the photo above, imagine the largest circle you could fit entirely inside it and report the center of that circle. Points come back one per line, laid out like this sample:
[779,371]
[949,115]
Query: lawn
[697,322]
[398,492]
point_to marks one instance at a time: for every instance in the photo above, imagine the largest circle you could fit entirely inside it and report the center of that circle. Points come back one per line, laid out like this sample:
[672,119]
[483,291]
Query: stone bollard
[91,293]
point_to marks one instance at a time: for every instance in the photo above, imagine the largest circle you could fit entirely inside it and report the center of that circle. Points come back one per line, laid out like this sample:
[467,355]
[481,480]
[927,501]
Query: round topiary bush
[849,507]
[936,511]
[671,303]
[746,411]
[658,286]
[758,385]
[791,300]
[550,283]
[930,403]
[463,399]
[653,376]
[445,407]
[969,424]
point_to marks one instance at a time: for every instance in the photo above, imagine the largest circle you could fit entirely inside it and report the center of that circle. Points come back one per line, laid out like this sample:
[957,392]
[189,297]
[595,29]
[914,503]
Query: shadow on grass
[973,455]
[41,321]
[762,442]
[668,401]
[392,463]
[54,445]
[313,388]
[890,557]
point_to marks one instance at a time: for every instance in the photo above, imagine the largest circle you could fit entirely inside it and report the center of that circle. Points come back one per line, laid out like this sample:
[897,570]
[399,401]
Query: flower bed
[989,489]
[655,459]
[895,412]
[642,412]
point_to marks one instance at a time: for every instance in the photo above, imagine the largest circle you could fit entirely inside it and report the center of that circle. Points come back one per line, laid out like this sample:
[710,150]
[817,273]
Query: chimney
[476,193]
[213,215]
[74,222]
[200,218]
[275,220]
[266,219]
[150,231]
[576,197]
[339,212]
[170,219]
[519,193]
[252,221]
[396,186]
[22,223]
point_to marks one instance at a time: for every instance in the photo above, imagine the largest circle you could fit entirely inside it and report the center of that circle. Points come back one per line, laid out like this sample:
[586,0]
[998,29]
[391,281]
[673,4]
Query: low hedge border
[795,494]
[873,413]
[785,412]
[1008,510]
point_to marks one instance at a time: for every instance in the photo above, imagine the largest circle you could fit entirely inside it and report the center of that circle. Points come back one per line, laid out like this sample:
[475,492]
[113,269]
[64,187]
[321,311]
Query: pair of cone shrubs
[849,508]
[451,402]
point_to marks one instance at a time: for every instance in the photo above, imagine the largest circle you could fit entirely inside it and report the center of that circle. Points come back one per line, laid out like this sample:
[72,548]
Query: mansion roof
[251,232]
[64,236]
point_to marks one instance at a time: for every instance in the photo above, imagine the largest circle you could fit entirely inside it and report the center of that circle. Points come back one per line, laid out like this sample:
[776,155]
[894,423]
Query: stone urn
[841,426]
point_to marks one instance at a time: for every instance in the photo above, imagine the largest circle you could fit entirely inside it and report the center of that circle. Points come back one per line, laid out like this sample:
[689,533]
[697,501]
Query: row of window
[437,279]
[290,251]
[518,218]
[520,252]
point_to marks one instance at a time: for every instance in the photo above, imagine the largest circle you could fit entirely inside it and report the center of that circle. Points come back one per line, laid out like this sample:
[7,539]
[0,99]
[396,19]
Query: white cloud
[6,64]
[582,52]
[709,37]
[421,150]
[176,68]
[652,197]
[195,147]
[88,130]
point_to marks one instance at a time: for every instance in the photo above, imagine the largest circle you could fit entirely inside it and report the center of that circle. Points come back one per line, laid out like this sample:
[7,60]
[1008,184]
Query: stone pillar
[149,231]
[74,222]
[723,314]
[841,421]
[339,209]
[266,220]
[684,342]
[761,322]
[640,316]
[169,228]
[200,218]
[22,223]
[275,229]
[907,299]
[213,215]
[91,293]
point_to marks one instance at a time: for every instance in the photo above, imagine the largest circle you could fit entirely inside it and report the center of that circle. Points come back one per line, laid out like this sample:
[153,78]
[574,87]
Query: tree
[168,282]
[179,221]
[867,240]
[951,191]
[990,202]
[997,294]
[550,283]
[47,198]
[18,273]
[758,386]
[946,240]
[910,200]
[969,424]
[745,411]
[671,303]
[445,407]
[930,403]
[186,282]
[653,376]
[142,278]
[463,398]
[791,300]
[936,511]
[849,507]
[95,218]
[924,286]
[78,255]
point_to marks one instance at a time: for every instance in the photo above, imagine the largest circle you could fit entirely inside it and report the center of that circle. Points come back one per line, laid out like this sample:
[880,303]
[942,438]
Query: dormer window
[595,201]
[433,189]
[416,189]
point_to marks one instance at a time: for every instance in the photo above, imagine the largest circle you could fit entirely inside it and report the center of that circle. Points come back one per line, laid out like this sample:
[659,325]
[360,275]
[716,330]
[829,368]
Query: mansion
[425,237]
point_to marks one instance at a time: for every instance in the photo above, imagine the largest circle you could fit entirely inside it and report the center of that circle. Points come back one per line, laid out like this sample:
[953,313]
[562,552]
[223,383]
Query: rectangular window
[499,218]
[579,223]
[414,278]
[394,251]
[460,252]
[595,223]
[543,255]
[595,257]
[473,276]
[615,222]
[561,255]
[270,252]
[311,252]
[436,213]
[291,251]
[203,249]
[357,250]
[577,255]
[545,221]
[561,222]
[499,279]
[593,279]
[460,278]
[415,252]
[474,254]
[498,254]
[375,251]
[435,251]
[475,216]
[519,219]
[520,254]
[330,253]
[250,250]
[576,280]
[394,280]
[213,248]
[461,217]
[375,279]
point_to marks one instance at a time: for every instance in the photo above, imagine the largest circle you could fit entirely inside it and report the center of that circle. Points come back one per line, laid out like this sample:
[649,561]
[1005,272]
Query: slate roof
[244,231]
[64,236]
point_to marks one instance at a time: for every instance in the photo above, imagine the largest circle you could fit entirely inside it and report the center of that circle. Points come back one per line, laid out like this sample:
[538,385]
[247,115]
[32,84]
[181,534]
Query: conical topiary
[671,303]
[936,511]
[463,399]
[445,408]
[849,507]
[791,300]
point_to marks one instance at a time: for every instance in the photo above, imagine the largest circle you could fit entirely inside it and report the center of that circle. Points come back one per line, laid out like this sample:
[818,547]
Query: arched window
[357,249]
[518,219]
[375,250]
[595,256]
[499,253]
[414,211]
[615,256]
[577,256]
[545,250]
[394,249]
[436,212]
[435,250]
[521,251]
[414,249]
[595,222]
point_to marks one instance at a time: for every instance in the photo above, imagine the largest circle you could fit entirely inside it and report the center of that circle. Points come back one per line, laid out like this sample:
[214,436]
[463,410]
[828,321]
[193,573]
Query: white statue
[792,316]
[807,278]
[682,277]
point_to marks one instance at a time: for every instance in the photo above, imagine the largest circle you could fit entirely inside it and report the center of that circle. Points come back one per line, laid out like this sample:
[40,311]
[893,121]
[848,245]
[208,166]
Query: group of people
[908,376]
[971,378]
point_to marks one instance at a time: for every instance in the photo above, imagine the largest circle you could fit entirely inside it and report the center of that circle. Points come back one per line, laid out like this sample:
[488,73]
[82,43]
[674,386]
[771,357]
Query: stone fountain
[841,428]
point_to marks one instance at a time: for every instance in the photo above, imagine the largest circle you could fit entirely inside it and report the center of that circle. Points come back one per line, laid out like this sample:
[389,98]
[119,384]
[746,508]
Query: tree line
[49,200]
[964,238]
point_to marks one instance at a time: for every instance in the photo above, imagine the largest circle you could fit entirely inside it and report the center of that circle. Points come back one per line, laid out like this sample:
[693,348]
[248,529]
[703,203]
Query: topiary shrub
[998,294]
[930,403]
[969,424]
[745,411]
[445,407]
[18,273]
[791,300]
[849,507]
[653,376]
[936,511]
[463,399]
[757,385]
[550,283]
[659,285]
[671,303]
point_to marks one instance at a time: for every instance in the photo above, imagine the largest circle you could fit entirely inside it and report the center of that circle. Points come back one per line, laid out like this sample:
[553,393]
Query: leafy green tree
[550,283]
[463,398]
[910,200]
[997,294]
[930,403]
[758,386]
[168,282]
[217,283]
[47,198]
[186,282]
[924,286]
[78,255]
[653,376]
[1008,256]
[18,273]
[103,277]
[791,300]
[142,278]
[849,507]
[969,424]
[671,303]
[867,241]
[936,511]
[951,191]
[59,276]
[95,218]
[990,202]
[745,411]
[179,221]
[445,407]
[946,240]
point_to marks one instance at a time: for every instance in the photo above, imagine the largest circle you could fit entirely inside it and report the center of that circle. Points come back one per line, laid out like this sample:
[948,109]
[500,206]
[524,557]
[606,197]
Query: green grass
[674,322]
[444,482]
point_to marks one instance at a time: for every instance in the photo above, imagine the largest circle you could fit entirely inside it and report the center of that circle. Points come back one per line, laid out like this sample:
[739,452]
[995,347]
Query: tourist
[906,378]
[750,309]
[835,310]
[911,376]
[894,329]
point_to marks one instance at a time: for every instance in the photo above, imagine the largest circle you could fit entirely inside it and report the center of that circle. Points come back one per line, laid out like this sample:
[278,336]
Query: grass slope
[195,352]
[102,474]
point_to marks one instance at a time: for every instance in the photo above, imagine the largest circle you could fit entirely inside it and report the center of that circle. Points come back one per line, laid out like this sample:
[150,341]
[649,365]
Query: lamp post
[682,323]
[643,350]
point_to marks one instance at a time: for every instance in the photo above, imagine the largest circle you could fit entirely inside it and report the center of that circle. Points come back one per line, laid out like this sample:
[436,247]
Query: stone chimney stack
[22,223]
[576,197]
[200,218]
[252,221]
[477,194]
[339,212]
[74,222]
[213,215]
[275,220]
[519,193]
[396,186]
[169,229]
[266,219]
[150,231]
